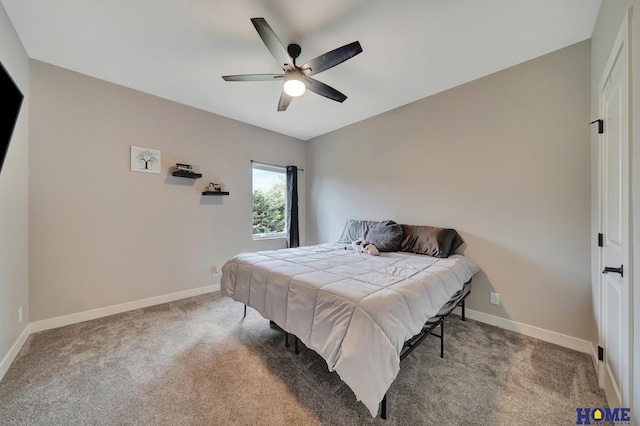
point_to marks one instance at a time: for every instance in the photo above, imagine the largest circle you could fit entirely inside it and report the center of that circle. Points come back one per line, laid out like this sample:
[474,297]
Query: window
[269,201]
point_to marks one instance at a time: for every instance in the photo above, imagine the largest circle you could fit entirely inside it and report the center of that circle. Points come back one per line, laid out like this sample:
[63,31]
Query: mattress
[353,309]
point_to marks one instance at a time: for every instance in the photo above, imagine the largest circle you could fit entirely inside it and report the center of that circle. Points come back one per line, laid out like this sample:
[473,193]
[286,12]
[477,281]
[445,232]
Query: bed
[355,310]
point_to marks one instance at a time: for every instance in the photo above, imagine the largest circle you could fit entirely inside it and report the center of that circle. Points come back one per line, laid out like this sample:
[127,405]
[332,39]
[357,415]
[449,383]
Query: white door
[615,300]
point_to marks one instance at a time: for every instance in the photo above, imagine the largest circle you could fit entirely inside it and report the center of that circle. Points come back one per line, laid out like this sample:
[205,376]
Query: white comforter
[353,309]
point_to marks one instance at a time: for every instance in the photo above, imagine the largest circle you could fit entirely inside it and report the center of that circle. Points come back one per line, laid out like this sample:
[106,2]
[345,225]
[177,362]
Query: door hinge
[600,125]
[600,240]
[600,353]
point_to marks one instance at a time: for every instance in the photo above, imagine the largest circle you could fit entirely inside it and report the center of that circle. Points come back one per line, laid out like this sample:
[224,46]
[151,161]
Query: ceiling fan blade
[273,43]
[252,77]
[284,101]
[331,59]
[323,90]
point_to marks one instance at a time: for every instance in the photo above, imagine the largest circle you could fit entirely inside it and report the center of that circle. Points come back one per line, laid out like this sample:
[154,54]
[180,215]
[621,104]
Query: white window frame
[269,168]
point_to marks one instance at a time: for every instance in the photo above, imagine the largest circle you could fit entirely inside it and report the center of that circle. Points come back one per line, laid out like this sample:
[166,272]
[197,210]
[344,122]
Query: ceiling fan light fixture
[297,78]
[294,87]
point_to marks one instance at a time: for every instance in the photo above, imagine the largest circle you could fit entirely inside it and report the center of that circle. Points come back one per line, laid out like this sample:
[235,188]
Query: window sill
[270,237]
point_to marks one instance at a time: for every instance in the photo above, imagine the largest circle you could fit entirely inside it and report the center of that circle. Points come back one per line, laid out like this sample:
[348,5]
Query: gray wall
[611,14]
[103,235]
[14,200]
[504,159]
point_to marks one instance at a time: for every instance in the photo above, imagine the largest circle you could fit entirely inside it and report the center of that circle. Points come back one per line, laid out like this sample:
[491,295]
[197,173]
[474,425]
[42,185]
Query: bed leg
[383,407]
[286,339]
[462,306]
[442,337]
[297,349]
[245,311]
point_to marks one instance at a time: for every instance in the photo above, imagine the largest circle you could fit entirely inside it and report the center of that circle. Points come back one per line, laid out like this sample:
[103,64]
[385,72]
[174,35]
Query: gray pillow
[386,235]
[430,240]
[355,229]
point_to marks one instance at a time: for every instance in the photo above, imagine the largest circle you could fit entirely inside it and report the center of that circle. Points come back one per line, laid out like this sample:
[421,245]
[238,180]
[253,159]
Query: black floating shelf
[215,193]
[181,173]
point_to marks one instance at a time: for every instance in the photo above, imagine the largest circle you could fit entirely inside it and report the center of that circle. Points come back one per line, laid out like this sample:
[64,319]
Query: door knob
[608,269]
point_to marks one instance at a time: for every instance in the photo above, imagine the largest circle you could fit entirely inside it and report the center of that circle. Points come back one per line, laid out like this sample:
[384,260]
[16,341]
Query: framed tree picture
[145,160]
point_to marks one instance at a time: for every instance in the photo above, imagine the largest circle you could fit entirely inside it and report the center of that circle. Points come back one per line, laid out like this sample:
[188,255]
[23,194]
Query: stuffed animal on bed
[363,246]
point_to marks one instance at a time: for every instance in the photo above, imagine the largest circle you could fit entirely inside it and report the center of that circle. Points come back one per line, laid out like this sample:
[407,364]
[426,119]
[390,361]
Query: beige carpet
[198,362]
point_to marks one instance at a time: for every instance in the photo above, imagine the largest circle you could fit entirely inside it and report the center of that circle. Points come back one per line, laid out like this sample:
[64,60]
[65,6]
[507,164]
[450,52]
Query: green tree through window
[269,201]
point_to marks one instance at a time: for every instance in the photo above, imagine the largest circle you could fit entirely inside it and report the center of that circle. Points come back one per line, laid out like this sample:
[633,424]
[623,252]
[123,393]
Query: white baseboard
[531,331]
[528,330]
[93,314]
[13,352]
[117,309]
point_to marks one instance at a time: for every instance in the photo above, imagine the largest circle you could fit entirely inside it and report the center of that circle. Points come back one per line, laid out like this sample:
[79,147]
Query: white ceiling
[179,50]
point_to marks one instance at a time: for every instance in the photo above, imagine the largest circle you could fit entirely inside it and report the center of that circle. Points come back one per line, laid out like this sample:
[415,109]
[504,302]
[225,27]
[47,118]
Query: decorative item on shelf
[188,167]
[186,170]
[215,189]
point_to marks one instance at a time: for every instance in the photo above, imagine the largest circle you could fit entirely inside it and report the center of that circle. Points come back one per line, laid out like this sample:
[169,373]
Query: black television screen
[10,100]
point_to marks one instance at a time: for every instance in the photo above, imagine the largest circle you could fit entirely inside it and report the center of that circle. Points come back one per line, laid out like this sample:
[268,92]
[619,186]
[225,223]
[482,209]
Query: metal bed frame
[429,329]
[458,300]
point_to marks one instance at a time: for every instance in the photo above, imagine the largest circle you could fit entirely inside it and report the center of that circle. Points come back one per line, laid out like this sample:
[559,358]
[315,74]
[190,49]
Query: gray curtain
[293,235]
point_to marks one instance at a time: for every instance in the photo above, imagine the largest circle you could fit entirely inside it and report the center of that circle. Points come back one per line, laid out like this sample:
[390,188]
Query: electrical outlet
[214,271]
[495,298]
[20,314]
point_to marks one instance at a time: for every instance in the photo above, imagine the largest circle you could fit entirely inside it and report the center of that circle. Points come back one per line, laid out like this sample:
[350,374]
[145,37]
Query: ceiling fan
[296,78]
